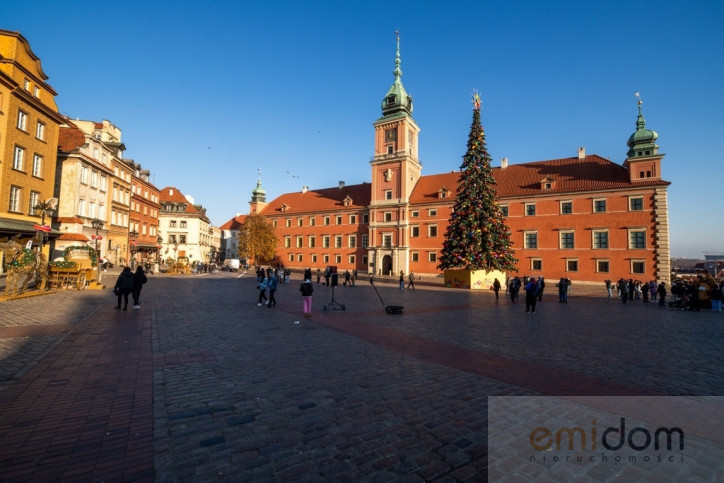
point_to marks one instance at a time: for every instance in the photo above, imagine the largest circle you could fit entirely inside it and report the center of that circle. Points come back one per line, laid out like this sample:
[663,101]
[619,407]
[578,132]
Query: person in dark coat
[541,286]
[123,287]
[496,287]
[531,295]
[661,292]
[139,278]
[562,291]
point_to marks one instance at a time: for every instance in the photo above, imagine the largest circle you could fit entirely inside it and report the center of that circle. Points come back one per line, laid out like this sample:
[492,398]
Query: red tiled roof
[593,173]
[74,237]
[177,197]
[320,200]
[70,138]
[233,224]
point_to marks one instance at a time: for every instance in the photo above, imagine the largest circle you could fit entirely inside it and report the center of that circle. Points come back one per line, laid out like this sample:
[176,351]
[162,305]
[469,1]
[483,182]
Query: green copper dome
[396,100]
[642,142]
[258,194]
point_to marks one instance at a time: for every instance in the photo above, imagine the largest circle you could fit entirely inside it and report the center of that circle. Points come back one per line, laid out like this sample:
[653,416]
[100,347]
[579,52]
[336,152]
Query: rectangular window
[312,221]
[287,242]
[182,238]
[40,131]
[366,218]
[432,212]
[81,207]
[388,194]
[432,231]
[600,239]
[183,223]
[299,257]
[274,223]
[312,241]
[504,210]
[365,241]
[299,221]
[432,256]
[325,241]
[326,220]
[15,194]
[567,239]
[603,266]
[84,174]
[92,209]
[338,259]
[415,214]
[530,209]
[338,220]
[172,223]
[536,264]
[37,166]
[637,239]
[414,231]
[300,241]
[387,216]
[352,241]
[18,157]
[325,258]
[104,182]
[314,258]
[352,219]
[34,201]
[414,257]
[571,265]
[22,121]
[636,203]
[288,222]
[599,206]
[291,257]
[530,239]
[351,259]
[387,241]
[566,207]
[638,266]
[36,91]
[94,179]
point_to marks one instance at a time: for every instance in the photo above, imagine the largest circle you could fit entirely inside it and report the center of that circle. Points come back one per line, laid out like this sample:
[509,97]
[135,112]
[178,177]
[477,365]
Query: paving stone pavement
[201,384]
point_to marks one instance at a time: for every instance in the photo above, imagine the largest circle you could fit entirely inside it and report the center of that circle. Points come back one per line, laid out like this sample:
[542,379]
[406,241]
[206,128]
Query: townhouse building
[583,217]
[184,228]
[29,124]
[144,212]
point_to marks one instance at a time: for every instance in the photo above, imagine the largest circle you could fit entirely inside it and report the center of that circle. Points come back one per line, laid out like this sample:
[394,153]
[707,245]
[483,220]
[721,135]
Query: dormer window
[547,183]
[443,193]
[284,208]
[390,100]
[347,201]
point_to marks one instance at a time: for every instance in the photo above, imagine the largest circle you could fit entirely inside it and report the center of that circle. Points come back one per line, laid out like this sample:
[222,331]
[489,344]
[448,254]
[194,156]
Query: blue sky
[208,92]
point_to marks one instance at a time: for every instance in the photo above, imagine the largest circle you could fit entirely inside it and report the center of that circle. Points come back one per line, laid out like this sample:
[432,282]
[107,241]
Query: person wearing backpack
[531,295]
[307,289]
[272,283]
[123,287]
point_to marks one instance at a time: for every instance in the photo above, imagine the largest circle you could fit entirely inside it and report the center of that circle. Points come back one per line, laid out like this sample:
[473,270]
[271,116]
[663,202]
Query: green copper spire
[258,195]
[396,100]
[642,143]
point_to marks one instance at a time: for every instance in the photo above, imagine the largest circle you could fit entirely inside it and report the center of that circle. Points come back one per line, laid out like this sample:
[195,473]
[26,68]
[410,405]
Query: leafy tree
[477,237]
[257,239]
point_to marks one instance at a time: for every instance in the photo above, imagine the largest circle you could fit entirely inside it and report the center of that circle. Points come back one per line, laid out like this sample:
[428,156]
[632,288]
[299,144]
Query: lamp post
[132,236]
[97,224]
[41,231]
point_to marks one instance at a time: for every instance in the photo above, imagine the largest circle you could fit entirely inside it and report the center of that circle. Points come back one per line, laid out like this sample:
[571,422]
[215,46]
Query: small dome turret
[643,141]
[397,100]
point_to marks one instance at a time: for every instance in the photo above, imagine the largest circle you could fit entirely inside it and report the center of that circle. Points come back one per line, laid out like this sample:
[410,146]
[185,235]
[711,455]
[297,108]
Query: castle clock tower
[395,171]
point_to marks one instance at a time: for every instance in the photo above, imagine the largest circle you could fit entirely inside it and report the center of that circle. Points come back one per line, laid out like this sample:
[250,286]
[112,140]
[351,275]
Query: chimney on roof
[582,152]
[305,188]
[341,184]
[170,192]
[503,163]
[238,215]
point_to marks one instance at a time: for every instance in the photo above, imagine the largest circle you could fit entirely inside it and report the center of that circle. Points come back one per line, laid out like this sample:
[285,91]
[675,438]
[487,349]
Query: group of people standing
[131,283]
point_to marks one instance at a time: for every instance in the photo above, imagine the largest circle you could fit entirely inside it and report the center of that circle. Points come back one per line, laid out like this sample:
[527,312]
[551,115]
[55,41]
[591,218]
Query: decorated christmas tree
[477,237]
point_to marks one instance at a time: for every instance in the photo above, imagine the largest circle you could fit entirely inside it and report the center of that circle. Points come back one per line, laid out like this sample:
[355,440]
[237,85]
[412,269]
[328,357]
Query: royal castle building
[584,217]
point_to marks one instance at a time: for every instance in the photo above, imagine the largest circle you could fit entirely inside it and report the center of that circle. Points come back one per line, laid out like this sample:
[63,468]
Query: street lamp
[45,208]
[97,224]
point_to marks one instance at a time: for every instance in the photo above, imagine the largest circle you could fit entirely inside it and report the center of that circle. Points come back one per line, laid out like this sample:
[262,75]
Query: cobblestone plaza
[201,384]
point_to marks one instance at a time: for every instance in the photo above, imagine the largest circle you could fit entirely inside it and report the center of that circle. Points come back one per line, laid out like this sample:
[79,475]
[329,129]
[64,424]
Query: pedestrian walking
[531,295]
[347,278]
[661,292]
[645,292]
[541,286]
[562,291]
[319,275]
[307,290]
[716,296]
[123,287]
[272,284]
[262,291]
[496,287]
[402,280]
[609,288]
[514,289]
[139,278]
[327,274]
[307,274]
[411,279]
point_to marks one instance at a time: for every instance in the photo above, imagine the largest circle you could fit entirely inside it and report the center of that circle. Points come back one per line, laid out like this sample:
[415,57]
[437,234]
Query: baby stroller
[680,302]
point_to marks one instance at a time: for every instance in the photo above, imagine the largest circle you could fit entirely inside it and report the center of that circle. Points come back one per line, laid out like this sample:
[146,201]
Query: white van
[231,264]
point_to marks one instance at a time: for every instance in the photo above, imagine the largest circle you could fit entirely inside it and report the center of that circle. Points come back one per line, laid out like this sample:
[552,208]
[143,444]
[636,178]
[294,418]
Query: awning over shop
[10,227]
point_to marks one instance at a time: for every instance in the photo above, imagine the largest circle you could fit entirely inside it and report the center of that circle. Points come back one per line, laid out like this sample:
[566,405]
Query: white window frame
[631,231]
[414,256]
[526,210]
[40,131]
[603,260]
[432,257]
[37,166]
[631,200]
[635,261]
[593,240]
[352,241]
[22,120]
[18,158]
[596,210]
[430,229]
[415,231]
[564,202]
[33,202]
[560,239]
[533,262]
[16,194]
[572,260]
[525,239]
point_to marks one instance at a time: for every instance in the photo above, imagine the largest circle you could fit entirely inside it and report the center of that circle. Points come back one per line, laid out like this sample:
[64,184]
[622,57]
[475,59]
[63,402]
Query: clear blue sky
[208,92]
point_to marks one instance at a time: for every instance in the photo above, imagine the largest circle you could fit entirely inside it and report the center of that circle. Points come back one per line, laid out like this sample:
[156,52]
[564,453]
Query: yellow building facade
[29,123]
